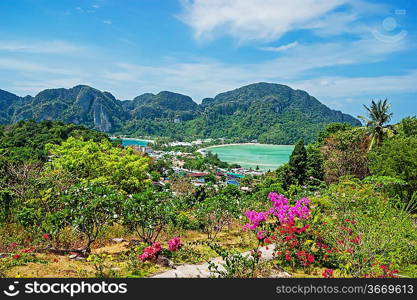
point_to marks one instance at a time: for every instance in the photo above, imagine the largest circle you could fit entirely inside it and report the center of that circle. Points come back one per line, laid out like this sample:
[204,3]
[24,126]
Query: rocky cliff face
[80,105]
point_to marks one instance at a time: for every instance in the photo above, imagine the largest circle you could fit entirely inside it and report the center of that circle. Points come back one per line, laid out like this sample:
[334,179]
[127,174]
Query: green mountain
[79,105]
[266,112]
[7,105]
[164,105]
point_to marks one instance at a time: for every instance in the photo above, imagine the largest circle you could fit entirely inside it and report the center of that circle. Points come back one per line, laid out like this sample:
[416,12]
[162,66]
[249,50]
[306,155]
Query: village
[202,176]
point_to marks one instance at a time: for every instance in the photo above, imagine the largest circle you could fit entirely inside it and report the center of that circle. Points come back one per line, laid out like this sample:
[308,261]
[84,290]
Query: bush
[397,157]
[215,213]
[364,228]
[89,208]
[148,213]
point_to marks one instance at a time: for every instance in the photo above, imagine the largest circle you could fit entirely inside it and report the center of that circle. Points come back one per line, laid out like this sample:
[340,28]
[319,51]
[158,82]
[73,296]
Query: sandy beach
[133,139]
[240,144]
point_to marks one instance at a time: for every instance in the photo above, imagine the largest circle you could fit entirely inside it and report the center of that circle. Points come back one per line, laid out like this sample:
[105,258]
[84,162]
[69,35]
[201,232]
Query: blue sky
[343,52]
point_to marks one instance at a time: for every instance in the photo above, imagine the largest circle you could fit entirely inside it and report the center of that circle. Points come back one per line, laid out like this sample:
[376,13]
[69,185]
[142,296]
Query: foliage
[332,129]
[236,265]
[345,153]
[207,162]
[379,115]
[89,208]
[120,168]
[215,213]
[397,157]
[103,265]
[297,165]
[408,126]
[363,228]
[148,213]
[25,141]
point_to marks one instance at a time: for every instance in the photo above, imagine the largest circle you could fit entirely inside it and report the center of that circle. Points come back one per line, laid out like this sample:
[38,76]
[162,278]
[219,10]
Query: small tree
[101,162]
[345,153]
[297,166]
[215,213]
[147,213]
[89,208]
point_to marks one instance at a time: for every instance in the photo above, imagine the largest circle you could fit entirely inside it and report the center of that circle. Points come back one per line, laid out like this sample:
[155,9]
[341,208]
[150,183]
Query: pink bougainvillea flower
[174,244]
[327,273]
[150,252]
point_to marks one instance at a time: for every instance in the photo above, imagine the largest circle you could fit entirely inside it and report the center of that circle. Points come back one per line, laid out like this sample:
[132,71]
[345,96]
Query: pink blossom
[174,244]
[150,252]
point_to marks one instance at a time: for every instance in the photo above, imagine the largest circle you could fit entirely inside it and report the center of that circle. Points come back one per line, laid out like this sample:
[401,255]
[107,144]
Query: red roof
[197,174]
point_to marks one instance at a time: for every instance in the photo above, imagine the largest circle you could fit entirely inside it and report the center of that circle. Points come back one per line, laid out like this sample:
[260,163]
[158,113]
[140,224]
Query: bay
[134,142]
[266,157]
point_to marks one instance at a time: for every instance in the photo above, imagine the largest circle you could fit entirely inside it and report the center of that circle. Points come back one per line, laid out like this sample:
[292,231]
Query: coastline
[133,139]
[240,144]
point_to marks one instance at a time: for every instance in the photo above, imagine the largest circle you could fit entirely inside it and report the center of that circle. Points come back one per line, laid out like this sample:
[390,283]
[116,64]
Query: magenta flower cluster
[174,244]
[255,219]
[286,213]
[151,252]
[281,209]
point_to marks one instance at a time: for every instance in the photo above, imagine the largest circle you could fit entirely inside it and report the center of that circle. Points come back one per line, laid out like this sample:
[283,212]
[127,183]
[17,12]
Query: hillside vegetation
[343,206]
[268,113]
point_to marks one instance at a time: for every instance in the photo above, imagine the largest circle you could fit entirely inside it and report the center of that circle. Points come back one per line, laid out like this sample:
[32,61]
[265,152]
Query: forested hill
[266,112]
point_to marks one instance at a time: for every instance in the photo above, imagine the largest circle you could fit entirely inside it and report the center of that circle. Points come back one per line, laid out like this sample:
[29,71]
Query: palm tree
[379,115]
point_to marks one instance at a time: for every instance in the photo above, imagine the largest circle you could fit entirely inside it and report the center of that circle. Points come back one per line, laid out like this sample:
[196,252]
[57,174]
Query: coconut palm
[379,115]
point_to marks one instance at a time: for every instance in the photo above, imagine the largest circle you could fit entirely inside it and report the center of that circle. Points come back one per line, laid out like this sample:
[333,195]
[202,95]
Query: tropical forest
[75,203]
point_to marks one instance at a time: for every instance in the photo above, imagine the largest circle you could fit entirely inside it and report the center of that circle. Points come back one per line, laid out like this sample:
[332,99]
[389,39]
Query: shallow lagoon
[133,142]
[267,157]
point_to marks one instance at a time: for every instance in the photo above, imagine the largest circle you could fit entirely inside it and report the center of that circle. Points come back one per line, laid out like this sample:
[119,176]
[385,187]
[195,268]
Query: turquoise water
[129,142]
[267,157]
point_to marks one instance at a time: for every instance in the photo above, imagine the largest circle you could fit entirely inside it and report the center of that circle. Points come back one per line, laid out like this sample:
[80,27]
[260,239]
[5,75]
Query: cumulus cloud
[254,19]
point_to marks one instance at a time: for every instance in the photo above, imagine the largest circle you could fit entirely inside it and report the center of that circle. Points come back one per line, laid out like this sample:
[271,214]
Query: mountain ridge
[266,112]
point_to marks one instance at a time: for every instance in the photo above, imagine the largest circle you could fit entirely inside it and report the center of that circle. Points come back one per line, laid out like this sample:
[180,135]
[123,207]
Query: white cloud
[38,47]
[32,86]
[280,48]
[309,57]
[342,87]
[254,19]
[268,20]
[108,22]
[29,66]
[207,77]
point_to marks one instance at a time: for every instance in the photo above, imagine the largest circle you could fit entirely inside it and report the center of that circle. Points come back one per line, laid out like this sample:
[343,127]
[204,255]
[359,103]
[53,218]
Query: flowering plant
[382,271]
[327,273]
[151,252]
[174,244]
[287,228]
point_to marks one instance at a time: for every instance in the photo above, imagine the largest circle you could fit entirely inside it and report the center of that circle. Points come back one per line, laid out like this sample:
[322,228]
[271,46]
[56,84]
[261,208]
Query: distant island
[262,112]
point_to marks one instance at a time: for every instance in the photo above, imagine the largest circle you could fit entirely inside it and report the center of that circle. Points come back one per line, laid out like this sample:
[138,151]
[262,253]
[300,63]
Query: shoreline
[134,139]
[240,144]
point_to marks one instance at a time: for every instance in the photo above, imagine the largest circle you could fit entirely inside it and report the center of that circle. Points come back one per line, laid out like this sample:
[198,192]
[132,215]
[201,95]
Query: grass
[119,260]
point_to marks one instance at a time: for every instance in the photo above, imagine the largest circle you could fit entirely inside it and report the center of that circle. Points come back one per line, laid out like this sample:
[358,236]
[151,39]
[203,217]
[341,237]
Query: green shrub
[148,213]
